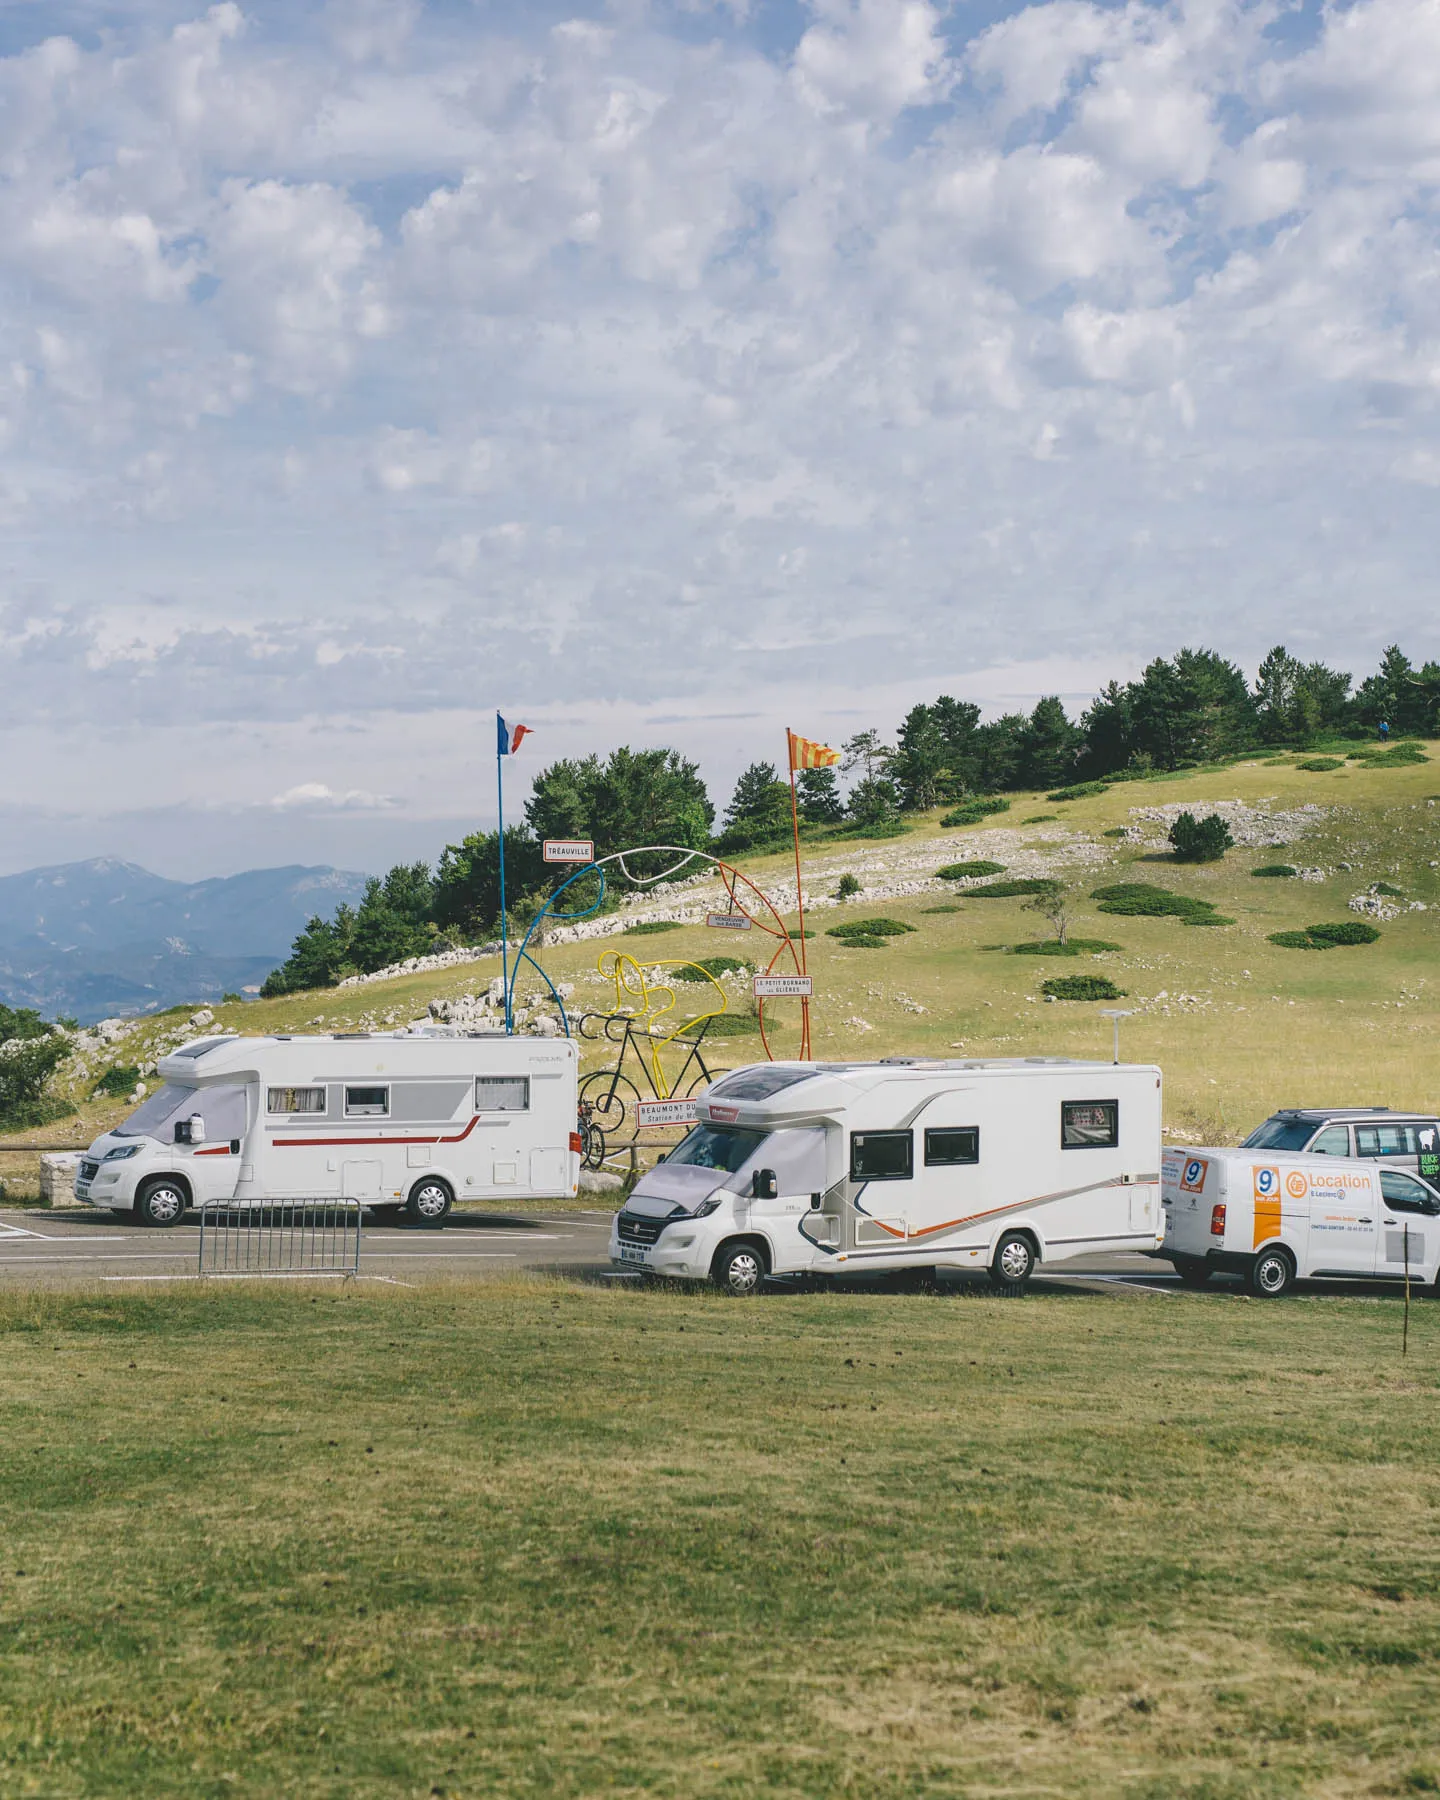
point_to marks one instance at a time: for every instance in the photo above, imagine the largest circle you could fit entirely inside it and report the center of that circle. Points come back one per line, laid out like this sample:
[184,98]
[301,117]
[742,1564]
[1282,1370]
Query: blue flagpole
[504,930]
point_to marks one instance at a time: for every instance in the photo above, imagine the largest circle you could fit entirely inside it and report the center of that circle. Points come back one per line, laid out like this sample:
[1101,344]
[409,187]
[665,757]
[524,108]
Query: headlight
[705,1208]
[120,1153]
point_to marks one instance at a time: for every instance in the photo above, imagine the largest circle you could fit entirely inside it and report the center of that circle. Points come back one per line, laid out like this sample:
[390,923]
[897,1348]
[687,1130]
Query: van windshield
[1280,1134]
[165,1104]
[716,1147]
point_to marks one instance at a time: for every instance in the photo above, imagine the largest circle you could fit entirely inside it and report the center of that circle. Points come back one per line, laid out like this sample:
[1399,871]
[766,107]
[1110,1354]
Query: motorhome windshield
[1280,1134]
[716,1147]
[165,1104]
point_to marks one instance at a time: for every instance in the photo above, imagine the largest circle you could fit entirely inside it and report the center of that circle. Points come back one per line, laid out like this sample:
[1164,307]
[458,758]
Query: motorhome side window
[1089,1124]
[295,1100]
[882,1155]
[367,1102]
[947,1144]
[502,1093]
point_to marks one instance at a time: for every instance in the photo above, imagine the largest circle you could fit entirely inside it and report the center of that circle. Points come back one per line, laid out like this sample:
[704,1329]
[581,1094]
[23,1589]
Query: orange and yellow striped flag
[805,753]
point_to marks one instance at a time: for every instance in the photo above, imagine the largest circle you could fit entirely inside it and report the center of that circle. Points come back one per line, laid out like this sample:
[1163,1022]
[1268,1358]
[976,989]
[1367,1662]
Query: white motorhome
[409,1121]
[848,1168]
[1275,1218]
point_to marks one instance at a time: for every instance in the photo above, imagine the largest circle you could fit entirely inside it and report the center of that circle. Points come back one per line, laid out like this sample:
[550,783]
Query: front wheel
[1013,1263]
[608,1094]
[739,1270]
[429,1204]
[1271,1274]
[161,1203]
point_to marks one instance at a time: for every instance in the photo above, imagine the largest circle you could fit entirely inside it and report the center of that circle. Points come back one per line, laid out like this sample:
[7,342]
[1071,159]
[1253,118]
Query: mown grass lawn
[538,1539]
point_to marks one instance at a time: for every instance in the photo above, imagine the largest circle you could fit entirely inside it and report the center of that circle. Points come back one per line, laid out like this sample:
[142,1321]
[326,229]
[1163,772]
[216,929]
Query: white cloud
[415,359]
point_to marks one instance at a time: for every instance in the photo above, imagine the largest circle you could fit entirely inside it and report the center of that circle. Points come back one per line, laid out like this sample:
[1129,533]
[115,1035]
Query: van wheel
[1013,1264]
[1192,1274]
[161,1202]
[429,1204]
[1271,1274]
[739,1269]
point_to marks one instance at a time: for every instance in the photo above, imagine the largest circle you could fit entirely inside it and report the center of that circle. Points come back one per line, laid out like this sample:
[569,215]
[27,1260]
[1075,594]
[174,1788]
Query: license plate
[629,1254]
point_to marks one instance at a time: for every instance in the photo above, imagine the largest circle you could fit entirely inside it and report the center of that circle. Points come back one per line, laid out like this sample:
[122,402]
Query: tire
[161,1203]
[1193,1274]
[593,1156]
[429,1203]
[1271,1274]
[1013,1263]
[608,1095]
[739,1270]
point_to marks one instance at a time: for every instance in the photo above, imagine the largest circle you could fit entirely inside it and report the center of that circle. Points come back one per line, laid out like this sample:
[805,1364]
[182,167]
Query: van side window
[1334,1140]
[1404,1194]
[295,1100]
[948,1144]
[1089,1124]
[1385,1140]
[882,1155]
[502,1093]
[367,1102]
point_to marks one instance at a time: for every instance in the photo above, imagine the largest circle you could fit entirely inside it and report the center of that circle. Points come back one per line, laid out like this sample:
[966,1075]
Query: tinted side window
[1089,1124]
[1402,1194]
[1385,1140]
[882,1155]
[946,1144]
[367,1102]
[1334,1140]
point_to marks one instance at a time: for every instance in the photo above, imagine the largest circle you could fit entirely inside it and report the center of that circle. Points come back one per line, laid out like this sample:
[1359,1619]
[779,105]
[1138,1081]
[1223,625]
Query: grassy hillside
[1238,1024]
[267,1543]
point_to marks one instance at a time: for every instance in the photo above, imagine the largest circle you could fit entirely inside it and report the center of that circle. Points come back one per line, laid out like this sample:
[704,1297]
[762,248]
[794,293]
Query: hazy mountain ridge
[105,936]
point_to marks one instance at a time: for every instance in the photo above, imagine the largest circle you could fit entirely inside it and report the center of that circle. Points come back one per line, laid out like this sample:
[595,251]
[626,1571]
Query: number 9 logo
[1192,1172]
[1264,1183]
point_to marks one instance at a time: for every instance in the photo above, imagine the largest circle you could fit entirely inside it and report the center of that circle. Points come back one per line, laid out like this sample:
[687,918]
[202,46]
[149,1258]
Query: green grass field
[537,1539]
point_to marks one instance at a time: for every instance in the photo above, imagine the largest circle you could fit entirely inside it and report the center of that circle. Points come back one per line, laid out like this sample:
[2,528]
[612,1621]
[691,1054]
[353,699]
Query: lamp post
[1115,1014]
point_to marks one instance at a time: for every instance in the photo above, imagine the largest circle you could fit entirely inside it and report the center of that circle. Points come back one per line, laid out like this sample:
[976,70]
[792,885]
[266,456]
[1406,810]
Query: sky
[674,371]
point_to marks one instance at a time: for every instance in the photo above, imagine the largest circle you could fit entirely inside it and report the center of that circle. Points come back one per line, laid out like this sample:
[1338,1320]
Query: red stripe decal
[318,1143]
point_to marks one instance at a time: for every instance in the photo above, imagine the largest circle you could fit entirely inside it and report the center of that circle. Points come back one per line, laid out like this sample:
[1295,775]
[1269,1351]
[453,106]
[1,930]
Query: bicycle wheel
[609,1093]
[594,1153]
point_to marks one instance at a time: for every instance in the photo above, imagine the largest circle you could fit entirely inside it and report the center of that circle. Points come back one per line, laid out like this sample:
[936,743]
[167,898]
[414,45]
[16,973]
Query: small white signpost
[774,987]
[569,850]
[727,921]
[664,1112]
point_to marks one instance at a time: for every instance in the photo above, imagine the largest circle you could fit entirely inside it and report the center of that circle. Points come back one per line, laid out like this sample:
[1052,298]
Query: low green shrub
[1040,818]
[870,928]
[883,828]
[971,812]
[118,1081]
[951,908]
[725,1025]
[1142,899]
[1082,790]
[1320,765]
[1396,756]
[711,965]
[862,940]
[1275,871]
[848,886]
[1081,987]
[648,927]
[1326,937]
[1009,890]
[1386,887]
[1115,831]
[1074,946]
[1200,840]
[964,871]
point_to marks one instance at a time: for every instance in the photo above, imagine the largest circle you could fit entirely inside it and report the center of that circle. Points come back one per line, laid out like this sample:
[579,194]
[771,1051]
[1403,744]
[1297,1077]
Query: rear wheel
[1013,1263]
[161,1202]
[429,1203]
[739,1270]
[608,1095]
[1192,1274]
[1272,1274]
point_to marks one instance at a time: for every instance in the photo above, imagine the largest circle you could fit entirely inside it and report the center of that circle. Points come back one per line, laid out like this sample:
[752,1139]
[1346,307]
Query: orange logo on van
[1297,1185]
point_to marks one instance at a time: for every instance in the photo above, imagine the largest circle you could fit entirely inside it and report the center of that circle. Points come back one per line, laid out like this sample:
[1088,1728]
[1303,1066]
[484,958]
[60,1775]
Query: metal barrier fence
[280,1237]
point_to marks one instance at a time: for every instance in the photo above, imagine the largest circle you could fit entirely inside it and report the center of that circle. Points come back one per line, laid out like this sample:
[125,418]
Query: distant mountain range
[105,938]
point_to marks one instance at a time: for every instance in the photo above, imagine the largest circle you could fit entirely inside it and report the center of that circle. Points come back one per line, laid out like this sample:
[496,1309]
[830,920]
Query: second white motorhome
[409,1121]
[848,1168]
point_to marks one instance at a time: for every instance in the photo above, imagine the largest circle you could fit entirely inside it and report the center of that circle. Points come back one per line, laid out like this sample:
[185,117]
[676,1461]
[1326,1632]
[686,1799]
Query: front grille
[88,1171]
[635,1229]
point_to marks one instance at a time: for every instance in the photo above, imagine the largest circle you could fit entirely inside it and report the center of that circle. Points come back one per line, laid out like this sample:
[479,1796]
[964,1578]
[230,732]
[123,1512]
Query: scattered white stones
[1250,826]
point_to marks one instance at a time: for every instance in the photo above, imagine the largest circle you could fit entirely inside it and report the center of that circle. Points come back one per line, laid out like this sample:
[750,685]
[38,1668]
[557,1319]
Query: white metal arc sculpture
[743,898]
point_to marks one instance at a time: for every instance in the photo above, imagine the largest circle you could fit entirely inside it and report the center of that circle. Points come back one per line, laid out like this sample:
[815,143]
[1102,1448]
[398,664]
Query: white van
[412,1121]
[846,1168]
[1275,1219]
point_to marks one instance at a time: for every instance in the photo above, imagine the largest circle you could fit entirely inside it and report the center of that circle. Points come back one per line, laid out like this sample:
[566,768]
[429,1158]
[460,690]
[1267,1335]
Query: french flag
[508,740]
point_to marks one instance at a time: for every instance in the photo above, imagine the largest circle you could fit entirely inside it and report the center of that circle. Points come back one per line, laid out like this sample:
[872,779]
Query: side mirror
[661,1157]
[763,1185]
[191,1130]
